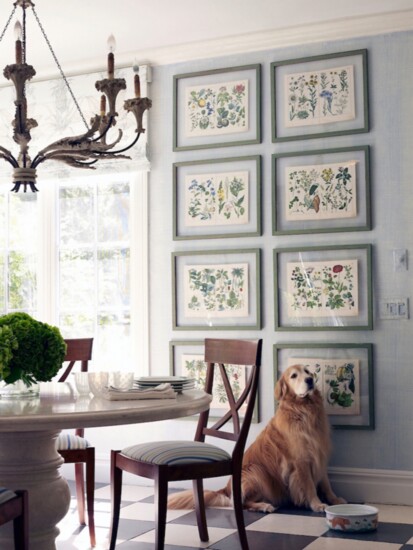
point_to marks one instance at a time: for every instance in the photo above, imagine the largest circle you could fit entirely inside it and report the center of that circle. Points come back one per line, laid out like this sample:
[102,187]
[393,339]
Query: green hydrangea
[30,350]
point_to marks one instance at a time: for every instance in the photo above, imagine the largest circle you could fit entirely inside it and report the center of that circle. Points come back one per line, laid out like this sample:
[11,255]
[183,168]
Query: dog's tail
[185,500]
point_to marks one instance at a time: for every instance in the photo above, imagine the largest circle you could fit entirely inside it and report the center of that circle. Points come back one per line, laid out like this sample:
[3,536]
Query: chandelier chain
[8,23]
[60,68]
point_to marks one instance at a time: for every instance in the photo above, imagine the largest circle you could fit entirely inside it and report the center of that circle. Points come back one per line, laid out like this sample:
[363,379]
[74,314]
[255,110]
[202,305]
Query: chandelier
[82,151]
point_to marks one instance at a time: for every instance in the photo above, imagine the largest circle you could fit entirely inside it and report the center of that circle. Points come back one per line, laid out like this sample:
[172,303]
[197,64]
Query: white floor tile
[343,544]
[129,492]
[395,514]
[81,541]
[187,535]
[290,525]
[145,512]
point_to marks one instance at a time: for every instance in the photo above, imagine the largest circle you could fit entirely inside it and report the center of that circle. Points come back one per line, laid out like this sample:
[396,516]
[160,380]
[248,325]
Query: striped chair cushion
[6,494]
[176,452]
[67,441]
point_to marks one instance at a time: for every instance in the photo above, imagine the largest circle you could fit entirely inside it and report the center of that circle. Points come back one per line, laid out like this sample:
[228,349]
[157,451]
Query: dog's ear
[281,388]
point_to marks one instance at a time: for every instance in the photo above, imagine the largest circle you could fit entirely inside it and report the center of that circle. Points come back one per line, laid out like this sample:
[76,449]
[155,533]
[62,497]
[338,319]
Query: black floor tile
[151,499]
[131,528]
[261,541]
[130,545]
[218,517]
[396,533]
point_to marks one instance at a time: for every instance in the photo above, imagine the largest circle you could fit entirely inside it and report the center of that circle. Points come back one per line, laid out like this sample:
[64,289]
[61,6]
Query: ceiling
[78,29]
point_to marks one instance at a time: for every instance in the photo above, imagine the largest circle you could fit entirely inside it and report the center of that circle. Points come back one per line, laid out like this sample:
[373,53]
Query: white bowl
[82,382]
[98,382]
[352,517]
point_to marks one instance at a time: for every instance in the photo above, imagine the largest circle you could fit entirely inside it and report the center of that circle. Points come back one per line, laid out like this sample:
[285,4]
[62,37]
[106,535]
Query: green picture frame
[181,351]
[320,96]
[217,108]
[323,288]
[216,289]
[353,380]
[217,198]
[320,191]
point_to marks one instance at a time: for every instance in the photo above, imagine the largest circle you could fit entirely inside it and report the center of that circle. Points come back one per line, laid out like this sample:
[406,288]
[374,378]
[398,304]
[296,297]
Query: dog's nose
[309,381]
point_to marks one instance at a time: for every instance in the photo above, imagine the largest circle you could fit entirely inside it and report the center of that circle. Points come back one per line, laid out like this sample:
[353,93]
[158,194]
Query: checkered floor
[287,529]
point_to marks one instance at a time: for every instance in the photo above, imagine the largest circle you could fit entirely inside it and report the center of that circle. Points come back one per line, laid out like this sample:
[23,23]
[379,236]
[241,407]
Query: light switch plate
[400,259]
[394,308]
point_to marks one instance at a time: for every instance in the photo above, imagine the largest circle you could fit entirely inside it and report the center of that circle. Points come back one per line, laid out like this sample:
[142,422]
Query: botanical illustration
[221,290]
[319,97]
[194,366]
[338,381]
[216,108]
[216,199]
[321,191]
[322,289]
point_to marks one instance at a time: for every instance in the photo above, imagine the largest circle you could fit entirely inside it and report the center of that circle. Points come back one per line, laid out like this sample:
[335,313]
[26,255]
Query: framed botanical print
[217,108]
[323,288]
[216,289]
[321,191]
[217,198]
[343,374]
[187,359]
[320,96]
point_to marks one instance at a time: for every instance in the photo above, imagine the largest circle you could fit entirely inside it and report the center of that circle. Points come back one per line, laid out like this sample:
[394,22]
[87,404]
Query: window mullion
[47,254]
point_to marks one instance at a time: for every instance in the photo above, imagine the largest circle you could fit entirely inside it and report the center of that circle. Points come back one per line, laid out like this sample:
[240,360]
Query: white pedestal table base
[29,460]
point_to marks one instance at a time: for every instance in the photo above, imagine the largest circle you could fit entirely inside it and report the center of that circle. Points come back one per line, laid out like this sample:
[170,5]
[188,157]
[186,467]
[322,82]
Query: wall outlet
[394,308]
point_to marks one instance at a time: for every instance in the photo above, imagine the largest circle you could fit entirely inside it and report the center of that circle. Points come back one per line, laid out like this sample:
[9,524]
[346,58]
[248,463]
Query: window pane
[114,352]
[76,215]
[22,281]
[2,286]
[77,280]
[113,278]
[113,212]
[23,231]
[77,325]
[3,233]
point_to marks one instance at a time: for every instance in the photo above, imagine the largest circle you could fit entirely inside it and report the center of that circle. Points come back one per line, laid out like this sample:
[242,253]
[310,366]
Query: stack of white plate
[178,383]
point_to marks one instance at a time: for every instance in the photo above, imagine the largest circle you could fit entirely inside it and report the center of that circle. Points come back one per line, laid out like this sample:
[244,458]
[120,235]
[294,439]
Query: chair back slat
[224,352]
[231,399]
[78,349]
[240,401]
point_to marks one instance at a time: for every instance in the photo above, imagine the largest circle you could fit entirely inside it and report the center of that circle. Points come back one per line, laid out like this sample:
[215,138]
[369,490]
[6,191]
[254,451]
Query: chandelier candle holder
[82,151]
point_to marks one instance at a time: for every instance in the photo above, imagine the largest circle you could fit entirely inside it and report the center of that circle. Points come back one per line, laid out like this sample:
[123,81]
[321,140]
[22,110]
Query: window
[18,270]
[74,255]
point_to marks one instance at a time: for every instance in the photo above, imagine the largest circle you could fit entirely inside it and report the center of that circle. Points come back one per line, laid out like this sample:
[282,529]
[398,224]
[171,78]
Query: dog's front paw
[262,507]
[318,506]
[268,509]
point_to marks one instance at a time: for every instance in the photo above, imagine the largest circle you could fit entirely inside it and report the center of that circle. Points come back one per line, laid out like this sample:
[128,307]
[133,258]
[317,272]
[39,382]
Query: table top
[60,407]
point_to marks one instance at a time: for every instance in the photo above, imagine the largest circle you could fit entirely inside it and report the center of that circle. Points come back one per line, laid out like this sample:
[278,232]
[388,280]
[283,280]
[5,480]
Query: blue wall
[390,445]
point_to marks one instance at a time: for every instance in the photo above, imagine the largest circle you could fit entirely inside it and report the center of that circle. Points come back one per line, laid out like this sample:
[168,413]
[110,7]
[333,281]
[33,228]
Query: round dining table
[28,456]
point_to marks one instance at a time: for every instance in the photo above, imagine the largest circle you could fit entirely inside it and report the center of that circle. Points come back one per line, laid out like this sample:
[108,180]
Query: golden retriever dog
[287,463]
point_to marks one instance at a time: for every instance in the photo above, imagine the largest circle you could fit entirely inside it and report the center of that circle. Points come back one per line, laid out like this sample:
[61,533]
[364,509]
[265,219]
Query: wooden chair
[74,449]
[175,459]
[14,507]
